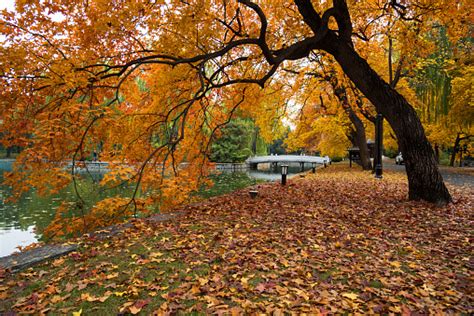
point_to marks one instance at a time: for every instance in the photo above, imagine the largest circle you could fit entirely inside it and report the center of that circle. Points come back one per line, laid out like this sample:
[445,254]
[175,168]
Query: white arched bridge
[285,159]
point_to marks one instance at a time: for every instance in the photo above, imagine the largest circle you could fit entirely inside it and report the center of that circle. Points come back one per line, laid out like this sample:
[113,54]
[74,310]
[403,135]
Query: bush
[391,153]
[444,158]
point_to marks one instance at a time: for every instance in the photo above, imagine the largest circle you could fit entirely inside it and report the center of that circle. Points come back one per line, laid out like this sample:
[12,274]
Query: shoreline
[339,239]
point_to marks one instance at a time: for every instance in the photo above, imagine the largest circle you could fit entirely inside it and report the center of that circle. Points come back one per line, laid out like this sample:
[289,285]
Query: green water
[22,222]
[227,182]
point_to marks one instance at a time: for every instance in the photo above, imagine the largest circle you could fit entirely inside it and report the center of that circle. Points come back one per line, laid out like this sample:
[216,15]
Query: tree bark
[351,136]
[359,129]
[9,151]
[424,179]
[360,140]
[455,149]
[254,140]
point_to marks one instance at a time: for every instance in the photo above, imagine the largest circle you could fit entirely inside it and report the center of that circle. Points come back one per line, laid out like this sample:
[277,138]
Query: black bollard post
[284,172]
[253,193]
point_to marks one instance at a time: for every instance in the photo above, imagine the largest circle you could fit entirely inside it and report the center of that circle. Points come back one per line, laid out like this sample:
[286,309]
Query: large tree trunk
[424,179]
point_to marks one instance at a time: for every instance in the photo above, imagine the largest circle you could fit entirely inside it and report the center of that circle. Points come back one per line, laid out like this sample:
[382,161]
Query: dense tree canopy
[152,81]
[238,140]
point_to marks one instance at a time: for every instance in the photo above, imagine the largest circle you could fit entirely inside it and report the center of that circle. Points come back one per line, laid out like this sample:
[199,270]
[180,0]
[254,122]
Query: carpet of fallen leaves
[335,242]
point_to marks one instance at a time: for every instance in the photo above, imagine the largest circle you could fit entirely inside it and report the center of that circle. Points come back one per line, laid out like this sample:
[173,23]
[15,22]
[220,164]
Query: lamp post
[378,146]
[284,173]
[314,167]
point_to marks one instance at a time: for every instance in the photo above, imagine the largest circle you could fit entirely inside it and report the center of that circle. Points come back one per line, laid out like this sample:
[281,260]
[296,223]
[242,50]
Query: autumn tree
[441,81]
[324,124]
[324,129]
[461,115]
[70,71]
[237,141]
[342,91]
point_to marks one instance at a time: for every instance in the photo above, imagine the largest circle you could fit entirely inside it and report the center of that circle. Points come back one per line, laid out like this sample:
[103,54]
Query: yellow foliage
[462,95]
[128,79]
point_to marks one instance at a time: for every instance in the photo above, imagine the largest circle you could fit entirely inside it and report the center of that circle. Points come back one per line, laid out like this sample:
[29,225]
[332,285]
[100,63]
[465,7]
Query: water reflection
[11,239]
[21,223]
[270,174]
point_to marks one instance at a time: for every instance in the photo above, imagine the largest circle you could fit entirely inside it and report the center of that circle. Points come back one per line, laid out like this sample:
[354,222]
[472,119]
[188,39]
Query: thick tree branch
[310,16]
[343,20]
[263,30]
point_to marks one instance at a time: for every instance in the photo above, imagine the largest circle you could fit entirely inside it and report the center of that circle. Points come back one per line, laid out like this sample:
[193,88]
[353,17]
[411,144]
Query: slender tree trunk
[455,149]
[254,140]
[9,151]
[424,179]
[360,140]
[351,136]
[359,136]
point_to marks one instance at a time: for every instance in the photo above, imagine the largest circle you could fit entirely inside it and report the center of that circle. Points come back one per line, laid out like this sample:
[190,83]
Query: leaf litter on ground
[334,242]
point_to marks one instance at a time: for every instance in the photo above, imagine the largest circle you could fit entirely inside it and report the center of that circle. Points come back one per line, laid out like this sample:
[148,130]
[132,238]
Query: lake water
[21,223]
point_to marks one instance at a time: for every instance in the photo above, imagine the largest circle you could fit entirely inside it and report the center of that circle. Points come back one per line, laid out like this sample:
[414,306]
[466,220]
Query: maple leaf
[112,275]
[260,287]
[134,309]
[78,313]
[395,264]
[195,290]
[319,209]
[352,296]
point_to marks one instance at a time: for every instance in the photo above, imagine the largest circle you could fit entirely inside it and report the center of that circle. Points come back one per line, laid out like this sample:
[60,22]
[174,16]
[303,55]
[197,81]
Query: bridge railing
[288,158]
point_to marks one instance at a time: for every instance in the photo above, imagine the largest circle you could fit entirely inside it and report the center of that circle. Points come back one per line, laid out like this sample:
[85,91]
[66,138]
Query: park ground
[338,241]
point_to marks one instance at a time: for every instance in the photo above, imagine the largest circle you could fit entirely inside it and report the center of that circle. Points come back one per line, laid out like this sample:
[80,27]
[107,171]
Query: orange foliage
[148,84]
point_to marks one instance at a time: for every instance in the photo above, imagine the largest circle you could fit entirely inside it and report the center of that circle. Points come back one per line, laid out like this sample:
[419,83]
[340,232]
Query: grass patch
[376,284]
[325,275]
[227,253]
[225,183]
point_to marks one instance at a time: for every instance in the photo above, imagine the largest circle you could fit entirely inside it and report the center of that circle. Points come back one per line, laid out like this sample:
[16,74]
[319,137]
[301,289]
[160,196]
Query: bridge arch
[274,159]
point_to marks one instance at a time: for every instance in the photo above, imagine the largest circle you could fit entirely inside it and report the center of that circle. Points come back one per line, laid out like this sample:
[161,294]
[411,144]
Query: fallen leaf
[78,313]
[134,309]
[352,296]
[260,287]
[395,264]
[112,275]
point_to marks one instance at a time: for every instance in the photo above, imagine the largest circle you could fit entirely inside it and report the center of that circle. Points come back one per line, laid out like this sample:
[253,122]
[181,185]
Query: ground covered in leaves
[338,241]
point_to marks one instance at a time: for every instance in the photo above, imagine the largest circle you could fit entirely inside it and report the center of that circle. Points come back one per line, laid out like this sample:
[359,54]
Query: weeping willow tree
[432,81]
[444,108]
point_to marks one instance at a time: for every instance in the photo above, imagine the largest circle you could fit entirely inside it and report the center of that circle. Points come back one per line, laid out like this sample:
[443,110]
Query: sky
[7,4]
